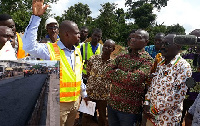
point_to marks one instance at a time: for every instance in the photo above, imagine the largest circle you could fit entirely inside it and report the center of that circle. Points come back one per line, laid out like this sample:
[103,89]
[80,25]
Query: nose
[106,47]
[132,39]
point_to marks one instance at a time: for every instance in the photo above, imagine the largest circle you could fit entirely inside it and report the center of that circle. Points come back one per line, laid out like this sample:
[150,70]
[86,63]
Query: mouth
[131,43]
[163,50]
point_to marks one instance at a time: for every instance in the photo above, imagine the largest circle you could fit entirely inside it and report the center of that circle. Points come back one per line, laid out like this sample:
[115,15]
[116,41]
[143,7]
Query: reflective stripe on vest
[70,81]
[20,52]
[87,53]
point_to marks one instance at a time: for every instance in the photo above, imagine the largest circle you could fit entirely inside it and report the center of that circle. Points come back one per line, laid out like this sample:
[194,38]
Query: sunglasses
[54,27]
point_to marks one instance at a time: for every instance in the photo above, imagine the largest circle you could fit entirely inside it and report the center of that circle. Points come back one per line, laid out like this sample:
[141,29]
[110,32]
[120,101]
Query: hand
[146,109]
[146,112]
[187,121]
[86,100]
[38,7]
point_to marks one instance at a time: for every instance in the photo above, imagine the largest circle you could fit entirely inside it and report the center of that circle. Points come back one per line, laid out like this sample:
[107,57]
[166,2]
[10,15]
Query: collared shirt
[151,50]
[128,74]
[40,50]
[98,84]
[168,90]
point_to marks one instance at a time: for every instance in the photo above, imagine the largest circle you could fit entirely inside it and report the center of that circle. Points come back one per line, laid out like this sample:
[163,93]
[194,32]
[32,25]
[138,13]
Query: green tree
[112,23]
[173,29]
[138,3]
[21,11]
[143,15]
[123,27]
[176,29]
[79,13]
[107,21]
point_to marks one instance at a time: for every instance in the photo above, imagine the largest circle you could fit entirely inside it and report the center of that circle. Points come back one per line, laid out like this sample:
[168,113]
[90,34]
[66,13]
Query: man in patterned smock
[164,99]
[128,74]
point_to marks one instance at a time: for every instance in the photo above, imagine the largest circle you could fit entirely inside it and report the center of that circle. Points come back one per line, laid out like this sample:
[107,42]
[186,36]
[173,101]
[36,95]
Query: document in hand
[89,109]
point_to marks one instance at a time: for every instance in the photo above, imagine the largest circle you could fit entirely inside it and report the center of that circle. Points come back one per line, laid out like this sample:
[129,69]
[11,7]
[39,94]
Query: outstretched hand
[38,7]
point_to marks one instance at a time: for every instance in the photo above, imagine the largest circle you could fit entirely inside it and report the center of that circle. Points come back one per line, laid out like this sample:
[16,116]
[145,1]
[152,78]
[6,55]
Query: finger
[46,6]
[33,1]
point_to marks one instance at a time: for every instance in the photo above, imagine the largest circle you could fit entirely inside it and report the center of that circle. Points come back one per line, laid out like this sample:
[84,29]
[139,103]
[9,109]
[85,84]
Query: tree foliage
[112,21]
[138,3]
[113,24]
[106,21]
[78,13]
[143,16]
[173,29]
[21,11]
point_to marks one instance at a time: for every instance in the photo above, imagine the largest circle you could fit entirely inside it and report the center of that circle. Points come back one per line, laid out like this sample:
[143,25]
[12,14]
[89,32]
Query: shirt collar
[176,58]
[61,45]
[173,61]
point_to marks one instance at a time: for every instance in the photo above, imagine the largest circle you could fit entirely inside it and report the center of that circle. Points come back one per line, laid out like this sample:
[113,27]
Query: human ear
[66,34]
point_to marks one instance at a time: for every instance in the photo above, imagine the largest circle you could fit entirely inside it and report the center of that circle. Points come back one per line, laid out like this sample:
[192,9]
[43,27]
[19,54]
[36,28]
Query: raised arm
[30,44]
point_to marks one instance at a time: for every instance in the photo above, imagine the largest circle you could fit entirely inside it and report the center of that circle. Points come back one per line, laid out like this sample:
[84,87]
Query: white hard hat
[49,21]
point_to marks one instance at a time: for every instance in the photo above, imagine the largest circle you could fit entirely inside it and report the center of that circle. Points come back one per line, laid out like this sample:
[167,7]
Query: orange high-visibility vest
[70,80]
[20,52]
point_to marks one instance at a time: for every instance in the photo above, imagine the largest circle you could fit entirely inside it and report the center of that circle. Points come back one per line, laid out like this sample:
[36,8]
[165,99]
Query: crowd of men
[144,85]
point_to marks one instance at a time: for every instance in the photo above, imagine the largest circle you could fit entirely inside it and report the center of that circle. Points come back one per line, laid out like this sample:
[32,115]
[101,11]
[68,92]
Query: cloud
[59,7]
[183,12]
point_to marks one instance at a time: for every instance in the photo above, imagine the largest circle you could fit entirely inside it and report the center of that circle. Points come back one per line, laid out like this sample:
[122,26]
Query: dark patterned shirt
[98,84]
[128,74]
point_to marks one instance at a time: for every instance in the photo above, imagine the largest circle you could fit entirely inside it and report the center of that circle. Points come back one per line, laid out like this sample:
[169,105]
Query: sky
[183,12]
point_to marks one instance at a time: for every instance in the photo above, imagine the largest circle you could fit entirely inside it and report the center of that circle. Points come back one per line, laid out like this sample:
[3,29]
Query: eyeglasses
[54,27]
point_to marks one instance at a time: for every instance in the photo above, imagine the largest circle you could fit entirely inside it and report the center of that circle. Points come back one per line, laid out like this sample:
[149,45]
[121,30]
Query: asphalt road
[17,98]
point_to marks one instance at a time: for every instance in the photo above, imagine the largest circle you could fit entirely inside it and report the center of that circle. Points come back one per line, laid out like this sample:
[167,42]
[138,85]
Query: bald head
[144,33]
[159,35]
[108,47]
[67,26]
[170,37]
[69,33]
[110,41]
[196,32]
